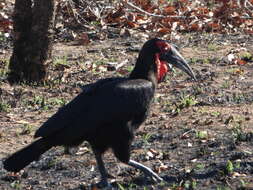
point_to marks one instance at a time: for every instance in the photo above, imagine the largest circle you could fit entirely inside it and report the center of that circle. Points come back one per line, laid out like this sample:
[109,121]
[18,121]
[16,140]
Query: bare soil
[199,135]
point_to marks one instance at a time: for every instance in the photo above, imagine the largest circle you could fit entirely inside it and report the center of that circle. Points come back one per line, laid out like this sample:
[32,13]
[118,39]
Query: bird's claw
[154,177]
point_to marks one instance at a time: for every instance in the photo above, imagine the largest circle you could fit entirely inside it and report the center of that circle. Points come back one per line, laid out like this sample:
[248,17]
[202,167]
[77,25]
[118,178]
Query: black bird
[107,113]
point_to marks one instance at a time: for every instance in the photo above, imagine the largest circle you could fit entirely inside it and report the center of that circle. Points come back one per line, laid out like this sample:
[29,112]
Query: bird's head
[158,55]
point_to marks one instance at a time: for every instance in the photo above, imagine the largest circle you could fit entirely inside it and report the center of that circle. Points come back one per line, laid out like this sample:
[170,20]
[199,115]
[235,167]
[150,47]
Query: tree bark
[33,35]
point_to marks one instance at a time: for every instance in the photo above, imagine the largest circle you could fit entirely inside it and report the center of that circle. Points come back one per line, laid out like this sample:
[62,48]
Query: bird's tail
[25,156]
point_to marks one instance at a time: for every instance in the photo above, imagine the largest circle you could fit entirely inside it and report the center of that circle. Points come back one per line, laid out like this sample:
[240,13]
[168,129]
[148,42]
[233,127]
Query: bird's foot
[153,176]
[147,171]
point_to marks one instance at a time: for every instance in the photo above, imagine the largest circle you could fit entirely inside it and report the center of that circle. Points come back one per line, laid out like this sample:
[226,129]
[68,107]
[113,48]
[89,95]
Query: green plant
[206,61]
[4,107]
[229,167]
[60,61]
[176,186]
[238,98]
[247,56]
[190,184]
[215,113]
[185,102]
[193,60]
[237,132]
[226,84]
[132,186]
[201,134]
[120,186]
[56,101]
[27,129]
[200,166]
[237,164]
[212,47]
[38,100]
[243,184]
[95,23]
[129,68]
[16,185]
[198,90]
[4,69]
[146,137]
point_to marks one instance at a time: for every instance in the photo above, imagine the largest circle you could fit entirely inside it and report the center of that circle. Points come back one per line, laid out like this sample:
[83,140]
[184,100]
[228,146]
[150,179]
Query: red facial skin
[162,68]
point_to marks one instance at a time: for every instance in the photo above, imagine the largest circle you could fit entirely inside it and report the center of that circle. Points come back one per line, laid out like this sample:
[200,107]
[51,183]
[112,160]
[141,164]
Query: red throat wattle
[162,68]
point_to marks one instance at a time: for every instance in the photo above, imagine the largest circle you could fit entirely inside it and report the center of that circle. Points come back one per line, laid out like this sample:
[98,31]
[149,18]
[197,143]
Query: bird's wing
[114,101]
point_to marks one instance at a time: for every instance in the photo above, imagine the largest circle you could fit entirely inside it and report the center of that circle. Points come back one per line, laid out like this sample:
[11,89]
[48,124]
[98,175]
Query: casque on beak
[174,58]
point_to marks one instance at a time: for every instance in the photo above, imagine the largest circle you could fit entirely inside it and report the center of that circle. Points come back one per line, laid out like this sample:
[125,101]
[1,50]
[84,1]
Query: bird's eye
[163,46]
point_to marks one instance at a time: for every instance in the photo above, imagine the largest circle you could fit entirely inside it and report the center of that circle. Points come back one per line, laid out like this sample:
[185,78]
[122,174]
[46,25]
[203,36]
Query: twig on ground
[151,14]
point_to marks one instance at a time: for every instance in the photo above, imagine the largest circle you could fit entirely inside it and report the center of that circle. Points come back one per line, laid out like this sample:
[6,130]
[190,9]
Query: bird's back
[105,105]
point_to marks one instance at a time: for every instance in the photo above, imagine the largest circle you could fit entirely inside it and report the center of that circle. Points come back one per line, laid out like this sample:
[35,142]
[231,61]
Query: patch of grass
[95,23]
[57,101]
[198,90]
[212,47]
[130,186]
[129,68]
[239,135]
[193,60]
[237,132]
[49,163]
[190,184]
[242,184]
[120,186]
[4,107]
[27,129]
[246,56]
[146,137]
[60,61]
[16,185]
[235,71]
[238,98]
[229,167]
[215,113]
[201,134]
[226,84]
[39,101]
[237,164]
[176,186]
[185,102]
[4,69]
[100,62]
[199,166]
[44,103]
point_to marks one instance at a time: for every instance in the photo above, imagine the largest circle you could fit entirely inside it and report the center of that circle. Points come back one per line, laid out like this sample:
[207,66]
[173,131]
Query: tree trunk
[33,34]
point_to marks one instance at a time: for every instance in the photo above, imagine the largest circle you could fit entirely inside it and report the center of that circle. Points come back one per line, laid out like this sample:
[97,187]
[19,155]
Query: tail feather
[25,156]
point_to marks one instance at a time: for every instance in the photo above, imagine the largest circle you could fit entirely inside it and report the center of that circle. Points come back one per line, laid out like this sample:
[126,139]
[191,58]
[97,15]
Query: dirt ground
[199,135]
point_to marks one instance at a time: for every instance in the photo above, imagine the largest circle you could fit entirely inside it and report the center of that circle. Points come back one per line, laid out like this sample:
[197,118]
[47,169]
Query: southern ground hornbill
[107,114]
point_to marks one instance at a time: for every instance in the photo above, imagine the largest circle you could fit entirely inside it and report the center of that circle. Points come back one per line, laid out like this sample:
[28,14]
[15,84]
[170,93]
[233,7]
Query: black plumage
[106,113]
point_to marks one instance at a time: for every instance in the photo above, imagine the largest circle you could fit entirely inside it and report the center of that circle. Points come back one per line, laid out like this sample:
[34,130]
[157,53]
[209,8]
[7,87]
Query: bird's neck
[144,71]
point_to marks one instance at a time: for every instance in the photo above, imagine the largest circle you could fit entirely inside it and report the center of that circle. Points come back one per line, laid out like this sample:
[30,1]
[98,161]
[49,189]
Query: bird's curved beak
[174,58]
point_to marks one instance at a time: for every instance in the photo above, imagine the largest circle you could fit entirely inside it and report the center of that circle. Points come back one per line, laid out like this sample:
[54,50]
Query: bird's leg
[102,170]
[147,171]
